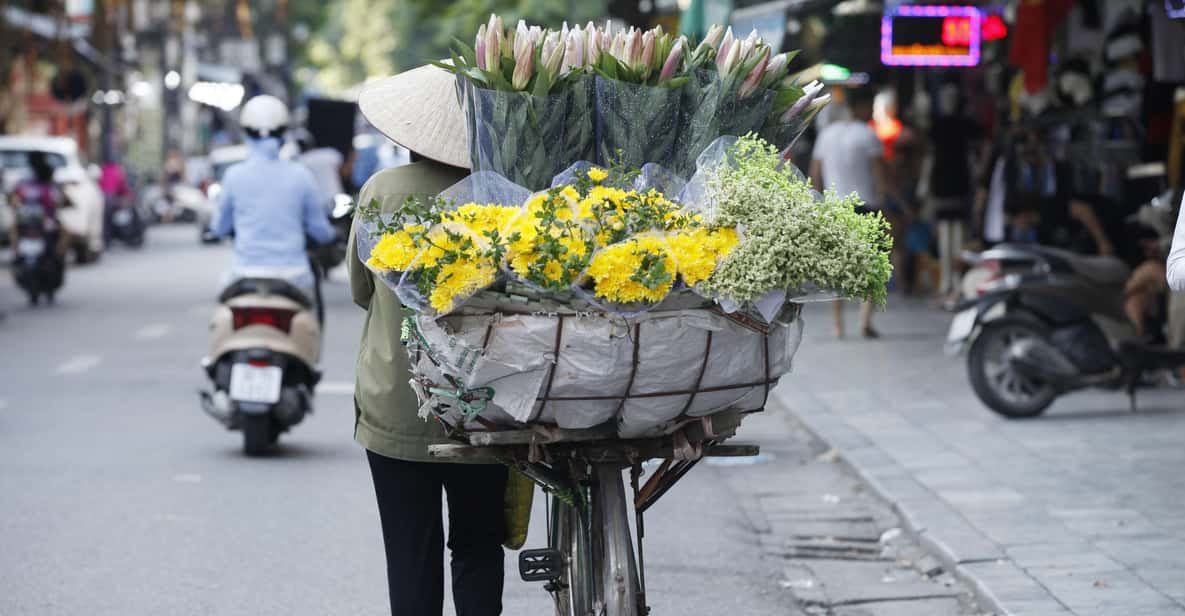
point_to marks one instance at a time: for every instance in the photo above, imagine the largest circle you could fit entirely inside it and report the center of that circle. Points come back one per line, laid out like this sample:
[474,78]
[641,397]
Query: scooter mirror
[343,205]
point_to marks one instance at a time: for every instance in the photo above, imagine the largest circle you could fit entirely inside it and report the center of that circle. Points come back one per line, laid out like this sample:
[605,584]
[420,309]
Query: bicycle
[594,565]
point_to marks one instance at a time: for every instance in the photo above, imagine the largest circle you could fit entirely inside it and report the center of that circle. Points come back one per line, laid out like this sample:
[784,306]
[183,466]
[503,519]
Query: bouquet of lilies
[538,99]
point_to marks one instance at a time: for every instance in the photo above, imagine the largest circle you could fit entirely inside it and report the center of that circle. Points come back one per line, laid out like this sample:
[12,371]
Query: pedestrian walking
[952,137]
[849,158]
[418,110]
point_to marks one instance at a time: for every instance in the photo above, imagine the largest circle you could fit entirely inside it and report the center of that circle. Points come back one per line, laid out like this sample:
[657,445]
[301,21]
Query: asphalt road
[118,496]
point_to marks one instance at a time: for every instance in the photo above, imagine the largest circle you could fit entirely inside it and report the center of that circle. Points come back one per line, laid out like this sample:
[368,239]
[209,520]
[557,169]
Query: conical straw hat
[418,109]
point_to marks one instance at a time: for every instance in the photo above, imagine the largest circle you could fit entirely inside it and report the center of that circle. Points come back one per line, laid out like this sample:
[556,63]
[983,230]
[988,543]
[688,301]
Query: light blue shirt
[270,204]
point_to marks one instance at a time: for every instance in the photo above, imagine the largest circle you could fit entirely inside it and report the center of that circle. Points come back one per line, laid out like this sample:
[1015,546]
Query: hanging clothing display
[1031,36]
[1168,45]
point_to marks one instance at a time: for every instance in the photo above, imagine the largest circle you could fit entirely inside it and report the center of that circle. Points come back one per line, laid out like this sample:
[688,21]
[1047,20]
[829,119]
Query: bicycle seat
[265,286]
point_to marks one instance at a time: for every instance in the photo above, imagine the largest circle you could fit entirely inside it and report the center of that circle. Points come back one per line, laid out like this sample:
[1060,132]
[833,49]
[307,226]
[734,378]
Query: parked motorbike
[125,223]
[333,254]
[37,267]
[265,340]
[1047,322]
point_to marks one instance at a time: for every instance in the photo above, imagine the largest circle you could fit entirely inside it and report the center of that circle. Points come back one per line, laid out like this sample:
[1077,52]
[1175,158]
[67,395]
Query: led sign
[927,35]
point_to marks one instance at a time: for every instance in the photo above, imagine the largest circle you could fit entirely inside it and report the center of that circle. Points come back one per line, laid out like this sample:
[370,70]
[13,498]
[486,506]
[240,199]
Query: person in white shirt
[849,158]
[324,162]
[1175,264]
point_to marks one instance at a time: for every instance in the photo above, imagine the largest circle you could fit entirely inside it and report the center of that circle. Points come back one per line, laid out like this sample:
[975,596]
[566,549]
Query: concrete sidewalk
[1080,511]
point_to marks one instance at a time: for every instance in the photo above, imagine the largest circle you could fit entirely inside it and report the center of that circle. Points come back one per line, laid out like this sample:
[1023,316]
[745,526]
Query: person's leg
[866,321]
[944,255]
[837,312]
[958,228]
[476,529]
[408,496]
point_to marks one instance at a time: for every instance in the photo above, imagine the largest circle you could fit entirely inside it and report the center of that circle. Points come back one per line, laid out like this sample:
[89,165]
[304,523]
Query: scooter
[1047,322]
[125,223]
[265,341]
[37,268]
[341,216]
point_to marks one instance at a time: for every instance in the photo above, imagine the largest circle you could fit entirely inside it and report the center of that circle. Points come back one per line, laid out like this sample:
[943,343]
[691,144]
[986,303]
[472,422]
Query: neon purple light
[1174,12]
[974,15]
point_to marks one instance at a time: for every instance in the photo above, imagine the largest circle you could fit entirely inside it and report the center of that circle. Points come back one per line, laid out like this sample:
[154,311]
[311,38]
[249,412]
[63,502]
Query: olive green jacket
[385,406]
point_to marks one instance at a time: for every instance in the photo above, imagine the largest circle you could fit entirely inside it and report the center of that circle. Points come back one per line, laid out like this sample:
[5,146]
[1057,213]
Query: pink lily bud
[747,47]
[809,92]
[633,47]
[574,51]
[776,65]
[715,33]
[754,77]
[550,41]
[726,62]
[646,58]
[617,46]
[522,37]
[819,102]
[495,39]
[524,67]
[674,59]
[593,44]
[553,54]
[479,48]
[726,44]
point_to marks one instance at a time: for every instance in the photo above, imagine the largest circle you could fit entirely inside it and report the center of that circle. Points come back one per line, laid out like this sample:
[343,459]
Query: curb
[998,583]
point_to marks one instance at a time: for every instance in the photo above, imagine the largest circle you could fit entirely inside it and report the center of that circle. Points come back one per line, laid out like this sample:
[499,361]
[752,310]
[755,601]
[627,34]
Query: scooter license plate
[30,247]
[122,217]
[962,325]
[255,383]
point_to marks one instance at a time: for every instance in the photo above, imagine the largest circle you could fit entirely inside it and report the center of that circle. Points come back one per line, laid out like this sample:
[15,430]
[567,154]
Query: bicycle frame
[600,566]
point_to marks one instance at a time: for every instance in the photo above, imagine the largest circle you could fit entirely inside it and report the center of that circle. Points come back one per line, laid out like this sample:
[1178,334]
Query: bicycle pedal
[540,565]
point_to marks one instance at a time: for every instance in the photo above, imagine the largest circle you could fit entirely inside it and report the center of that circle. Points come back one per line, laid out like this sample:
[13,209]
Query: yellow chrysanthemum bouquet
[596,237]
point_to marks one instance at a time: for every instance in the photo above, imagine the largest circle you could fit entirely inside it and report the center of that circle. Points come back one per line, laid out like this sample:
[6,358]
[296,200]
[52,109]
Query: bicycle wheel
[573,595]
[618,571]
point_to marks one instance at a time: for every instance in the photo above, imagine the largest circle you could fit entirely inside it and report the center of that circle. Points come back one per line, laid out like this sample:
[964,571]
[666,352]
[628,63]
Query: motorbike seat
[1100,270]
[266,286]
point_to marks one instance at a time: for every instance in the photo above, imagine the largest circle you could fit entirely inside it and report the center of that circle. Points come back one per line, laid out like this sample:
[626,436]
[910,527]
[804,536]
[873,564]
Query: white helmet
[264,114]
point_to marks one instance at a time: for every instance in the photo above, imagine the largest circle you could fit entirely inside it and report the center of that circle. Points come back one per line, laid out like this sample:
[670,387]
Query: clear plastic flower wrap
[635,124]
[526,138]
[519,352]
[649,374]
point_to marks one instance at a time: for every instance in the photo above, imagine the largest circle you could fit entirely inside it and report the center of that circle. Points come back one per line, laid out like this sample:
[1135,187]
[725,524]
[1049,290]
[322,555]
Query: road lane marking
[79,364]
[153,332]
[336,388]
[187,478]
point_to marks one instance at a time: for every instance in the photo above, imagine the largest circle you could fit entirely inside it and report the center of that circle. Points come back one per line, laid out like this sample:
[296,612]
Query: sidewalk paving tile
[1032,513]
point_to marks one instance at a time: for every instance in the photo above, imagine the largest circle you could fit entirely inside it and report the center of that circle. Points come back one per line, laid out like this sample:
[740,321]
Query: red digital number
[956,31]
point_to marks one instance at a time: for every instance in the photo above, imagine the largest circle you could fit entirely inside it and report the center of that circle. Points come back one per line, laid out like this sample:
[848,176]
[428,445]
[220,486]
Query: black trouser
[409,505]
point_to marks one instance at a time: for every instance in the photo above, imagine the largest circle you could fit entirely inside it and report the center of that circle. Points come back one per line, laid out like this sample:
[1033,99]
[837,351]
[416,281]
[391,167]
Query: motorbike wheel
[257,434]
[83,253]
[997,384]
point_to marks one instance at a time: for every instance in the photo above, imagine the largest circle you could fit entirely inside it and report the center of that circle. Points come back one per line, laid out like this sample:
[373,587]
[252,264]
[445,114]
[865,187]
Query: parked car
[83,217]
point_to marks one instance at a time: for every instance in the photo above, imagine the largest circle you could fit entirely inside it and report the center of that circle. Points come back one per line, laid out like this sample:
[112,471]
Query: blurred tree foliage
[375,38]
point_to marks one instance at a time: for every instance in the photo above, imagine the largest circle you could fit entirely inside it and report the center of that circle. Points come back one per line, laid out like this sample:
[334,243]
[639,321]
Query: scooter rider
[271,204]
